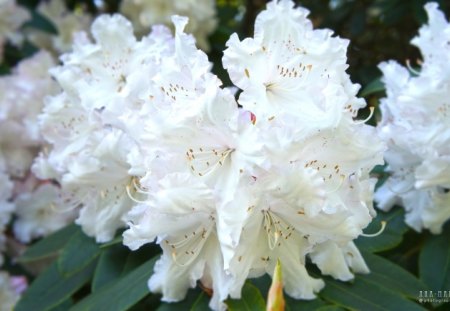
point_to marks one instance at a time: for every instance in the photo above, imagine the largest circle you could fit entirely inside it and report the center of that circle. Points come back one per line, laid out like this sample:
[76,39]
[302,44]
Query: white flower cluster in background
[32,201]
[89,125]
[66,23]
[145,13]
[12,17]
[416,127]
[8,294]
[21,101]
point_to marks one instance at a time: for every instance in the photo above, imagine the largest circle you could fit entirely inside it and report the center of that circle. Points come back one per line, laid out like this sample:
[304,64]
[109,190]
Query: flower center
[204,161]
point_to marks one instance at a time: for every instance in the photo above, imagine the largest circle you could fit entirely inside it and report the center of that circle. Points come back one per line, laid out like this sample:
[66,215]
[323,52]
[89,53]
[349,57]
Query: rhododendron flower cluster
[12,17]
[21,101]
[201,14]
[141,135]
[415,125]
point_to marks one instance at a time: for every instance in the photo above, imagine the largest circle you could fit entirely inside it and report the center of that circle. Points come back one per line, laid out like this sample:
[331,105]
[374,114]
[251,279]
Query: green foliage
[51,245]
[251,300]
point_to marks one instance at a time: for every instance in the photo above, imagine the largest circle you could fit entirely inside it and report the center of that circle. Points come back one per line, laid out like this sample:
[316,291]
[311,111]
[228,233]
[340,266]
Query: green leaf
[50,245]
[434,262]
[51,288]
[364,295]
[373,87]
[304,305]
[39,21]
[390,237]
[110,266]
[79,251]
[122,294]
[386,274]
[251,300]
[201,304]
[63,306]
[194,301]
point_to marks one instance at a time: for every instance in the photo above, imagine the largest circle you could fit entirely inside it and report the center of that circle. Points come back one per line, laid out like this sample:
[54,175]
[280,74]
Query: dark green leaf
[79,251]
[122,294]
[110,266]
[50,245]
[304,305]
[251,300]
[63,306]
[187,303]
[39,21]
[364,295]
[201,304]
[51,288]
[434,262]
[390,237]
[391,276]
[373,87]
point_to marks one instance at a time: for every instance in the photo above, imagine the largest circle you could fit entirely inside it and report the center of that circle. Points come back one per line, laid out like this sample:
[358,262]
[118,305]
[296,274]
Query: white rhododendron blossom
[227,191]
[12,17]
[38,213]
[21,101]
[415,125]
[104,88]
[66,24]
[201,14]
[8,294]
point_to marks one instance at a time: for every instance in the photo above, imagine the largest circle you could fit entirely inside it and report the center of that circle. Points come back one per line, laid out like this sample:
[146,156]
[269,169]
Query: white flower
[90,125]
[317,196]
[37,213]
[292,75]
[21,100]
[12,17]
[201,14]
[415,119]
[66,23]
[286,178]
[8,295]
[182,217]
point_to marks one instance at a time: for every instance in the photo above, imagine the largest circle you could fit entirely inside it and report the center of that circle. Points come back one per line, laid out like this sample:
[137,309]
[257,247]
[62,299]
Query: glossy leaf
[39,21]
[365,295]
[251,300]
[434,262]
[195,299]
[373,87]
[50,245]
[52,288]
[391,236]
[121,294]
[385,273]
[110,266]
[79,251]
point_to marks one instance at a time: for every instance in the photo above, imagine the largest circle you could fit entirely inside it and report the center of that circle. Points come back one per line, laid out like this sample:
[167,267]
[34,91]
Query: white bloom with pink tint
[21,100]
[10,290]
[38,214]
[415,125]
[107,91]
